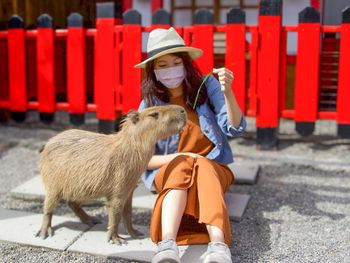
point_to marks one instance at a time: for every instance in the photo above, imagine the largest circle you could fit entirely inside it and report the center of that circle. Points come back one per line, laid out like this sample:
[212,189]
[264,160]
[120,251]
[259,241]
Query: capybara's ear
[133,115]
[154,115]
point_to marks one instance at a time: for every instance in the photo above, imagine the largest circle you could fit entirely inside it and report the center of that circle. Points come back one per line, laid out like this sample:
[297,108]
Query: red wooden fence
[97,71]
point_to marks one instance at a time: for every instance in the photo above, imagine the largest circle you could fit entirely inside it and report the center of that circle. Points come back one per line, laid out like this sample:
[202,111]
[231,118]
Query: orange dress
[205,180]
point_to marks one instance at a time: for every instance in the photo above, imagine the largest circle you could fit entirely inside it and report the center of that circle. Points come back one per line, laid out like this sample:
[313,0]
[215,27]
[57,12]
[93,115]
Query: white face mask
[171,77]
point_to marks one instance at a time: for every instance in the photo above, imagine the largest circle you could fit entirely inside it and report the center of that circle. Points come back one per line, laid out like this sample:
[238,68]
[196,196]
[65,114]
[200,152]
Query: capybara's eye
[154,115]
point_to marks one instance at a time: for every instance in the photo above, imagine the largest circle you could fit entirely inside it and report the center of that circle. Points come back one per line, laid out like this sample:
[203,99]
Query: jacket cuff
[240,129]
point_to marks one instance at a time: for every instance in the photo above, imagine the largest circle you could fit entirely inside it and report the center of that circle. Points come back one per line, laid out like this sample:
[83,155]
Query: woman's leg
[173,207]
[212,181]
[215,234]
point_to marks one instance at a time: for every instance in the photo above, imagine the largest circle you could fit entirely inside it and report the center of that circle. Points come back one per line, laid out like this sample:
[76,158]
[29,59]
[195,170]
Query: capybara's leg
[84,217]
[127,218]
[50,203]
[115,210]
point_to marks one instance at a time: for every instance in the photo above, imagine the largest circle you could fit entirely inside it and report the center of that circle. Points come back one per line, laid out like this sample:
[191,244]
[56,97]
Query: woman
[189,171]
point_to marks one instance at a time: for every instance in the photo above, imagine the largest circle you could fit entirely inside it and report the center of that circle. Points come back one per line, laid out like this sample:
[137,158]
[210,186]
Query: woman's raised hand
[225,78]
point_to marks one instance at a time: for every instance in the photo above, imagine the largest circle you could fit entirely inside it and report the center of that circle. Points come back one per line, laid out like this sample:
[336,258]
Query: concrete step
[94,242]
[245,172]
[69,234]
[21,227]
[236,203]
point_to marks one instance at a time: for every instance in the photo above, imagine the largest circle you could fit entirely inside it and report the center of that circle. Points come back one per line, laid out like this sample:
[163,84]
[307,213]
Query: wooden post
[105,67]
[343,105]
[270,19]
[203,32]
[76,69]
[45,69]
[17,68]
[307,71]
[131,76]
[235,53]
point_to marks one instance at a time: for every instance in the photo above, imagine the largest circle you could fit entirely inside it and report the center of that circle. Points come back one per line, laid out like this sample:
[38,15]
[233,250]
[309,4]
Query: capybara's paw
[45,232]
[134,233]
[115,239]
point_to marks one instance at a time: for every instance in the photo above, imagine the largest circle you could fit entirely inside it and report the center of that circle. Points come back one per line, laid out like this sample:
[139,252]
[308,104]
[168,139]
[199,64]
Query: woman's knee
[176,194]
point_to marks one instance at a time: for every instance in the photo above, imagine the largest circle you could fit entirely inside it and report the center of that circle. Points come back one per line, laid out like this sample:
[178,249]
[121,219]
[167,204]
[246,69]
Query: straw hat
[166,41]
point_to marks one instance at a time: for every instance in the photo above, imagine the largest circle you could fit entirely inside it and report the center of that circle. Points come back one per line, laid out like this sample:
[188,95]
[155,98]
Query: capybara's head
[160,121]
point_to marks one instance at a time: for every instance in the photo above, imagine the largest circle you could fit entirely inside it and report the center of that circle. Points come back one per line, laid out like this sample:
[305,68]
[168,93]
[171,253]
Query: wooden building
[29,10]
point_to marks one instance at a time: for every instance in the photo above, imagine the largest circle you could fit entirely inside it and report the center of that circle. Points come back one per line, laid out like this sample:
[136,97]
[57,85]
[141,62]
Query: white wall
[144,8]
[291,9]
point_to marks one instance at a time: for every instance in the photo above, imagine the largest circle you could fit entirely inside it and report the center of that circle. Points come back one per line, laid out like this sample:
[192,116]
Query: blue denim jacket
[213,124]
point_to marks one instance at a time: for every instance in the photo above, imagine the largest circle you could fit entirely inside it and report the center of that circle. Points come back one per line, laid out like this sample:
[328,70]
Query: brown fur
[78,165]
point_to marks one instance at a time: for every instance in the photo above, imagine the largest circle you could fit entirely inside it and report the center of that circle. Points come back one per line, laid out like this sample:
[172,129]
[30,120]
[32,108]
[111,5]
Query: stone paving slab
[33,189]
[21,227]
[245,172]
[94,241]
[236,205]
[69,234]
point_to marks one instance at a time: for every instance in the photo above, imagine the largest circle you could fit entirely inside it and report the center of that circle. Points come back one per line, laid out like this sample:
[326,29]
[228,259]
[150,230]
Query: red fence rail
[94,70]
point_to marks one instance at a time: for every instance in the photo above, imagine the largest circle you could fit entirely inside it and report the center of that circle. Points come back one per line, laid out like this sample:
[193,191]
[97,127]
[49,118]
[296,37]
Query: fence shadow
[315,142]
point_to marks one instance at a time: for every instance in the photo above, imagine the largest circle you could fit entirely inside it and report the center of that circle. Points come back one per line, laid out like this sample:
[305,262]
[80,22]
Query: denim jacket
[213,124]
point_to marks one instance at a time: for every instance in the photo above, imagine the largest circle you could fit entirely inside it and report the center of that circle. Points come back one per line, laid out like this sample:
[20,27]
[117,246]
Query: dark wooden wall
[29,10]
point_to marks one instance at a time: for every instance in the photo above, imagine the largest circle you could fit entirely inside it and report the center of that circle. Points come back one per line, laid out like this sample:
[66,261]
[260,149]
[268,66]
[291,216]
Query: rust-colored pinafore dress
[205,180]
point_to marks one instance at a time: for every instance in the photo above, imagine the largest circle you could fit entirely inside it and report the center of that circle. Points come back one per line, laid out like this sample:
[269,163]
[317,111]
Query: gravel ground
[299,209]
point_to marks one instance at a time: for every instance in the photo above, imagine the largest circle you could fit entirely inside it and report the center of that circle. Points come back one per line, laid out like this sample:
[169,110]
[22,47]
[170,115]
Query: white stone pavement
[70,234]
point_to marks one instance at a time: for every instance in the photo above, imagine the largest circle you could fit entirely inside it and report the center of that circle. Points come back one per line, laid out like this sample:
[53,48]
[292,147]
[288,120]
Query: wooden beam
[316,4]
[155,5]
[127,4]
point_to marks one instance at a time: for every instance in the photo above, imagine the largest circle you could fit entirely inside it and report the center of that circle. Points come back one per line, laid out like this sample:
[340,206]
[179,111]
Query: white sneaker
[217,252]
[167,252]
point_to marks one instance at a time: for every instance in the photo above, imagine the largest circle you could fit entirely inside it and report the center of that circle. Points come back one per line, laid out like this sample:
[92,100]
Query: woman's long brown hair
[151,87]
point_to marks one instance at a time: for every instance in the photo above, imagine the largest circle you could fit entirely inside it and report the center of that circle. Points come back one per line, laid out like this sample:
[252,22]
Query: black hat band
[158,50]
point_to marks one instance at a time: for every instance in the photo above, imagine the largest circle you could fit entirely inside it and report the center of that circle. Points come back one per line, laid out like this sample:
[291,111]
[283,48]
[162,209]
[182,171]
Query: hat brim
[194,53]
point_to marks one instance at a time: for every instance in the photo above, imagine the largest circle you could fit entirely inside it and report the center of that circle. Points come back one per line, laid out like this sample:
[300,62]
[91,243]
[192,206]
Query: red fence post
[17,68]
[45,69]
[4,87]
[104,86]
[203,32]
[268,73]
[343,96]
[131,76]
[235,53]
[76,69]
[161,19]
[253,67]
[307,71]
[283,71]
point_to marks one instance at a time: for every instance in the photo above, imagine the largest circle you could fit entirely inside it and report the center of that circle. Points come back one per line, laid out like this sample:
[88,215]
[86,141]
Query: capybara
[77,166]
